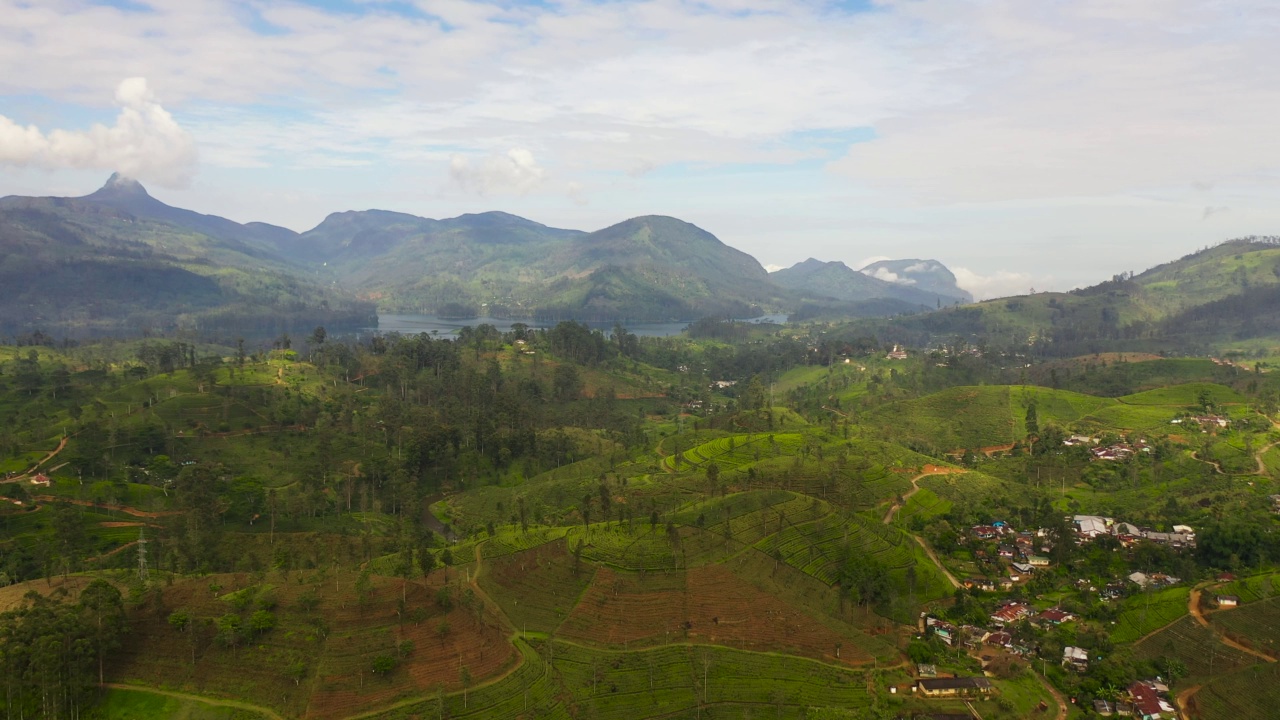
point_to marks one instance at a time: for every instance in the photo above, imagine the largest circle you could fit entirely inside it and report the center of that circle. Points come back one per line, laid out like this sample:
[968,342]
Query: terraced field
[536,588]
[1146,612]
[737,450]
[1196,646]
[957,418]
[1252,589]
[1255,625]
[1249,694]
[527,691]
[671,680]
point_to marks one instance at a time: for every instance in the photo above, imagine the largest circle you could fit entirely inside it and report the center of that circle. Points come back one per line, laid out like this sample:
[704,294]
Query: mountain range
[121,259]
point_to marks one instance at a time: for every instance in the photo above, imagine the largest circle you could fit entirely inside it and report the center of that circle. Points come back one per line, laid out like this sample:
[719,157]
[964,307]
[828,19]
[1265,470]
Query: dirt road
[1193,606]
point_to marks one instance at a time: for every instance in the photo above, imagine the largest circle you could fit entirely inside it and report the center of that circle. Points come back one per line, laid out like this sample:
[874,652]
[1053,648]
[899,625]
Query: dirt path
[52,454]
[934,557]
[268,712]
[915,487]
[1183,699]
[104,506]
[1057,697]
[1193,606]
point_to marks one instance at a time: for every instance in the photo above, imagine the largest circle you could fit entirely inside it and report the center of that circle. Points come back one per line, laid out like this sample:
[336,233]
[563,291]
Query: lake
[414,324]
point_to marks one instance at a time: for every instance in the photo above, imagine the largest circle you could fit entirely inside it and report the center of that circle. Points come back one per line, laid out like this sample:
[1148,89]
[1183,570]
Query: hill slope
[119,260]
[839,281]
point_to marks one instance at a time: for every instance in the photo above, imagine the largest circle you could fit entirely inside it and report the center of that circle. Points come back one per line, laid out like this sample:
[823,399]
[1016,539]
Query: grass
[1196,646]
[1253,588]
[140,704]
[1149,611]
[1185,395]
[677,679]
[957,418]
[1249,694]
[1255,625]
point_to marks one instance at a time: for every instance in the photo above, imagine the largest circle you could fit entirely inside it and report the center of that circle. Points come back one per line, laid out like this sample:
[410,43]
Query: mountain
[839,281]
[118,260]
[644,269]
[927,275]
[1199,303]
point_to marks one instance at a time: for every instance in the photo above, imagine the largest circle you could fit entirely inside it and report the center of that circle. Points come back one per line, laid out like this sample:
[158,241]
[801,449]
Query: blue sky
[1023,144]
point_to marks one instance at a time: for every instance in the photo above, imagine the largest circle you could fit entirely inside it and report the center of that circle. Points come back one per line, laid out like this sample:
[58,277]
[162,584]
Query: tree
[105,608]
[228,627]
[465,676]
[262,621]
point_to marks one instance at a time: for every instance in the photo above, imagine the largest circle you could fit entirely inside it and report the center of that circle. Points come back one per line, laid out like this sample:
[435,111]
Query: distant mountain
[644,269]
[1200,303]
[836,280]
[120,260]
[927,275]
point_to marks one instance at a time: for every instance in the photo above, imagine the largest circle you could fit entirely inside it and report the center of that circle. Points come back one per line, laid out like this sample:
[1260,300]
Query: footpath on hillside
[915,487]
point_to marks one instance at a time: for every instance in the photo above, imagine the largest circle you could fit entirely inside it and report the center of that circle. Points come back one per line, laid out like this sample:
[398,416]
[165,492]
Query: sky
[1045,145]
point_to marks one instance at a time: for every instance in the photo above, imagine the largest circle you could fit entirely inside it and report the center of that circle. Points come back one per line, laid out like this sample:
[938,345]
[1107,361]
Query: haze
[1023,144]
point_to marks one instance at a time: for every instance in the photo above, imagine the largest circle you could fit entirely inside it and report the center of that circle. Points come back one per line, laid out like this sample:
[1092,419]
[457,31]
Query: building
[1227,601]
[1038,561]
[40,479]
[1010,613]
[1075,658]
[927,671]
[1149,701]
[1055,616]
[955,687]
[1091,525]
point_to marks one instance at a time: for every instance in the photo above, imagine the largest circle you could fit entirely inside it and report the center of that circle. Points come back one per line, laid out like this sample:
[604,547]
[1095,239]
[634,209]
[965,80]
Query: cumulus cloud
[515,171]
[919,267]
[888,275]
[774,267]
[145,143]
[998,284]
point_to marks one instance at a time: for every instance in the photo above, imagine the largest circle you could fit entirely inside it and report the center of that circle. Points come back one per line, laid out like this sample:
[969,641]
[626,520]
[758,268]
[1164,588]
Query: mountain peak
[122,186]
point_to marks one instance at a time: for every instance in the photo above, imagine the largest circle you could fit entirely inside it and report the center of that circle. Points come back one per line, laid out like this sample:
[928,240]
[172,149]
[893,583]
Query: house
[1149,702]
[1139,579]
[1010,613]
[1092,525]
[1038,561]
[1055,616]
[955,687]
[927,671]
[1075,658]
[945,631]
[999,639]
[1022,568]
[1005,551]
[40,479]
[1104,708]
[1075,440]
[896,354]
[1227,601]
[1122,529]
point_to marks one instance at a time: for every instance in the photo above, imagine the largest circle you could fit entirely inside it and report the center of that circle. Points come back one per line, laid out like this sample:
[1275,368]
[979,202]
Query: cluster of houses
[1118,452]
[1009,613]
[1275,503]
[1144,699]
[897,353]
[1206,422]
[1089,527]
[1022,550]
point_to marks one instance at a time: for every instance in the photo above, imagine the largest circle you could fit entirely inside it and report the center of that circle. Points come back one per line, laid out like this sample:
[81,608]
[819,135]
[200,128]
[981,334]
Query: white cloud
[1001,283]
[919,267]
[888,275]
[145,143]
[873,259]
[515,171]
[773,267]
